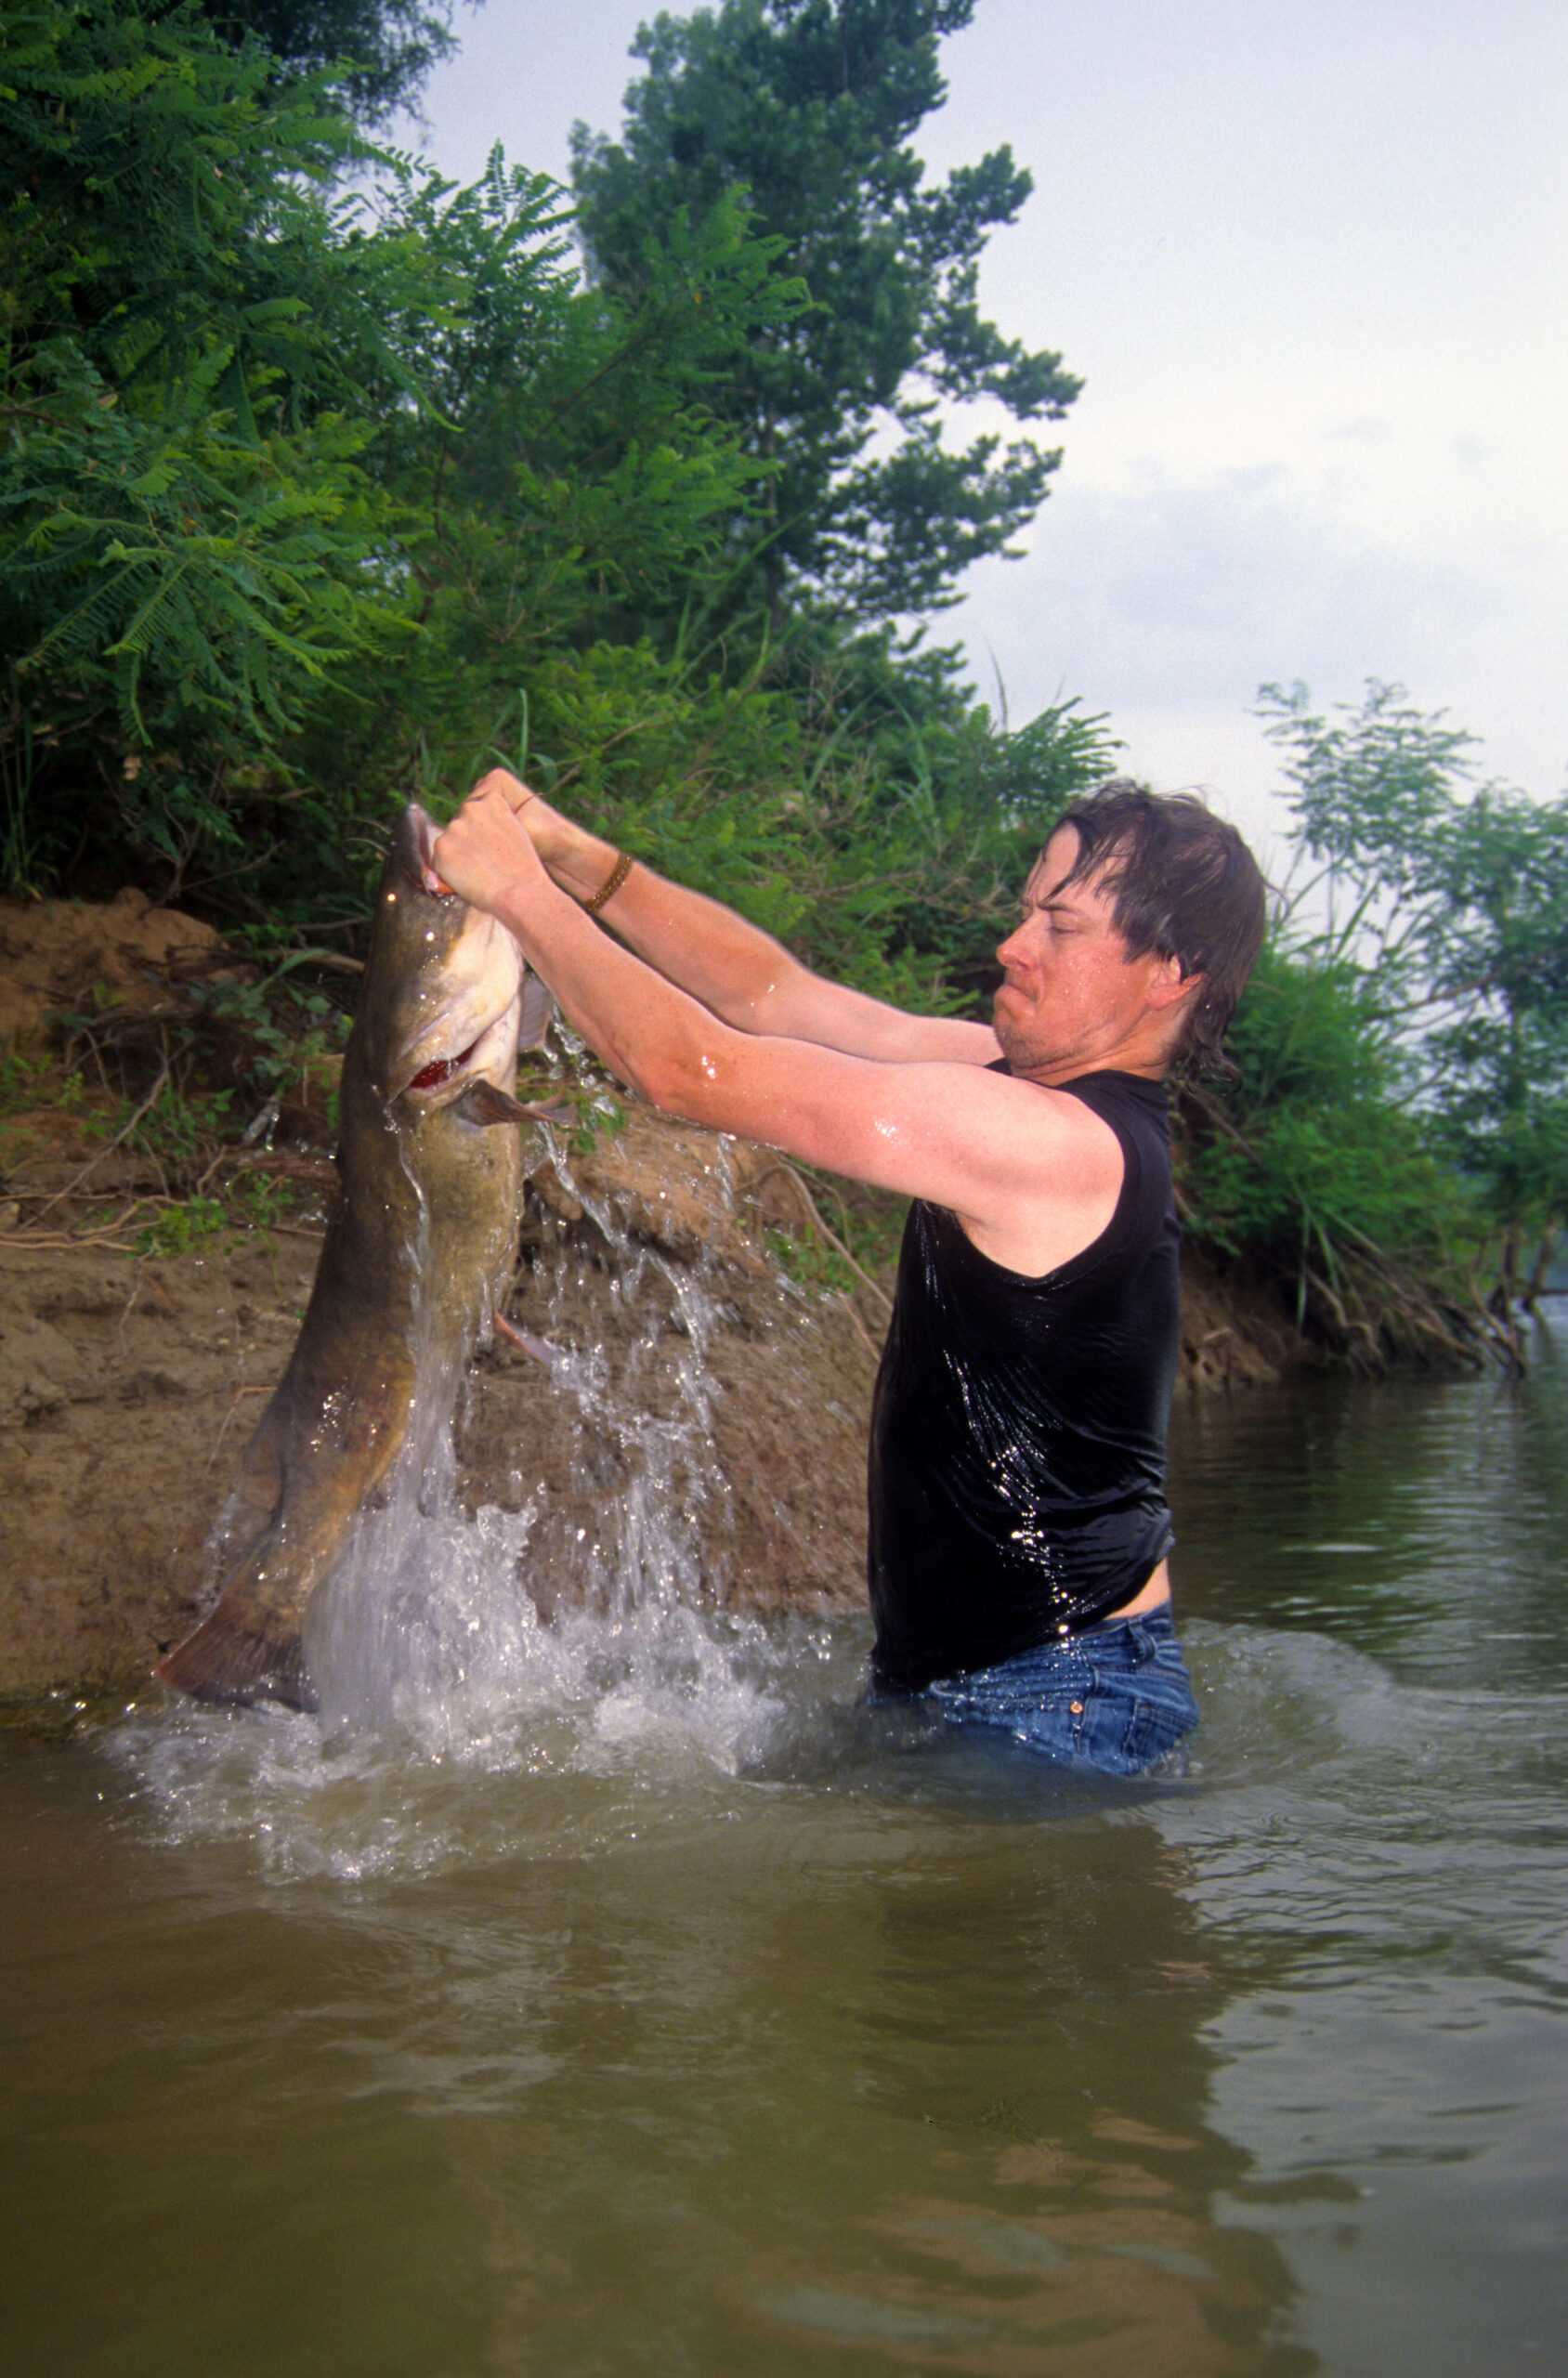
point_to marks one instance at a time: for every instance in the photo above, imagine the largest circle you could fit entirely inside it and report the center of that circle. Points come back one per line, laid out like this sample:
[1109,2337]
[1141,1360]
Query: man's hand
[484,851]
[559,840]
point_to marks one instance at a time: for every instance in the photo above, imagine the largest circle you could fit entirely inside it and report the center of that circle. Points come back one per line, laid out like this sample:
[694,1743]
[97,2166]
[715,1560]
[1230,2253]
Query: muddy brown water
[617,1997]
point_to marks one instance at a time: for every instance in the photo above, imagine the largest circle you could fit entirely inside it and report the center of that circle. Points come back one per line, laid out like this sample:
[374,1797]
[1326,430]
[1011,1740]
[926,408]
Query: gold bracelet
[611,884]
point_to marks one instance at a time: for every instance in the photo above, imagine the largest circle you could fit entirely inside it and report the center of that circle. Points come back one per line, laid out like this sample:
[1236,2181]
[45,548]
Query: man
[1019,1532]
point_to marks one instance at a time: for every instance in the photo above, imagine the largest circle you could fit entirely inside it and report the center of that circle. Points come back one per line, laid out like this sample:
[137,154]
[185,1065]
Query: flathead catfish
[428,1162]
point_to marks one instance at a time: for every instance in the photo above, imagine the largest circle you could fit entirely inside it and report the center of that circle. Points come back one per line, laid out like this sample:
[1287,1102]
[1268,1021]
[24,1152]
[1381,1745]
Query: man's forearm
[737,970]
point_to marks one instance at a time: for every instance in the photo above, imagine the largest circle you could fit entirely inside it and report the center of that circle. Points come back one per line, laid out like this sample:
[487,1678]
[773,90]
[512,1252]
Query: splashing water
[517,1643]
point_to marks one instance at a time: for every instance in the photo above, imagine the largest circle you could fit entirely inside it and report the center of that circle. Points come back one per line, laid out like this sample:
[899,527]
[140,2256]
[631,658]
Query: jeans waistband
[1158,1620]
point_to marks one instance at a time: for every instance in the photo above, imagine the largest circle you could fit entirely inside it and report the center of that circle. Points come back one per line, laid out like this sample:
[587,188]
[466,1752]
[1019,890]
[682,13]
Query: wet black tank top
[1017,1462]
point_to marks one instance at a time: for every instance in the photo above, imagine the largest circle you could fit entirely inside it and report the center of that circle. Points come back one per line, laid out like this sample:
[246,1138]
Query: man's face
[1073,1002]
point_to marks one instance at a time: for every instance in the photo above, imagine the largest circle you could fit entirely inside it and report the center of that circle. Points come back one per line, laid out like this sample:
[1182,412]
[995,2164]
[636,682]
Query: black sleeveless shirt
[1017,1461]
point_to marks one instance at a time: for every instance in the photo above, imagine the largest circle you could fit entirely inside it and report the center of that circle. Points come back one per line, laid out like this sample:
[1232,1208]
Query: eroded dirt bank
[129,1384]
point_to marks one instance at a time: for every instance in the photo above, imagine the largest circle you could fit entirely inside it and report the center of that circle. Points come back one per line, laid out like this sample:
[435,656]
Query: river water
[617,1998]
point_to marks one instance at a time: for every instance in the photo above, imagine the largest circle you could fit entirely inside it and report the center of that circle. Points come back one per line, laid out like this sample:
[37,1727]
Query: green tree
[262,439]
[379,51]
[296,498]
[1308,1168]
[1453,897]
[804,110]
[308,501]
[188,541]
[570,474]
[1499,1054]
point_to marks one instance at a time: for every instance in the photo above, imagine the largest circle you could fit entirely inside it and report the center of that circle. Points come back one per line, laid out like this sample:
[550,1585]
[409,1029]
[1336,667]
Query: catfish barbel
[428,1166]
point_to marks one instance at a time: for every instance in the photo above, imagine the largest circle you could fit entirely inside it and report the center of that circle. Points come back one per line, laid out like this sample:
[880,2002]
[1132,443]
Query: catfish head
[430,1070]
[447,1000]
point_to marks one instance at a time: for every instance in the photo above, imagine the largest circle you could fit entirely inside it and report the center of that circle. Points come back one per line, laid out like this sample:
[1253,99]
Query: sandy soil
[129,1385]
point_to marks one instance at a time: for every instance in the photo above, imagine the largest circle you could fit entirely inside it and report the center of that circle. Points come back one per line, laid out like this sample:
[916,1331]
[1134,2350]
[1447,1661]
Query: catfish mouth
[445,1069]
[489,1057]
[463,976]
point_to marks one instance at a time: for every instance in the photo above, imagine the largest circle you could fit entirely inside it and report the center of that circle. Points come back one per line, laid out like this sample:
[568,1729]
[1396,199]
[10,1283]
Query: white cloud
[1168,601]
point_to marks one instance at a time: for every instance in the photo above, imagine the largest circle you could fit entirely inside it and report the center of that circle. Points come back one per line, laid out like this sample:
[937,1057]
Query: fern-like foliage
[220,571]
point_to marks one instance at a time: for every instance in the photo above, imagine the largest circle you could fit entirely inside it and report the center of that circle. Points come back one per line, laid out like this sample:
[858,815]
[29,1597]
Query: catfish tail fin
[241,1659]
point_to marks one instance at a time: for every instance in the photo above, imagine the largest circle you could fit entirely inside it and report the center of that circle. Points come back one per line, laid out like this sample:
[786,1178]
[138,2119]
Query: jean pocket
[1155,1727]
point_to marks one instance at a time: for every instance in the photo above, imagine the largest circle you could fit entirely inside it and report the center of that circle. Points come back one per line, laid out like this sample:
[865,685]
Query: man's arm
[1033,1175]
[735,969]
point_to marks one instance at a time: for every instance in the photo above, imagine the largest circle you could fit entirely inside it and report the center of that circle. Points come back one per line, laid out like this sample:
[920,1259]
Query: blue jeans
[1116,1698]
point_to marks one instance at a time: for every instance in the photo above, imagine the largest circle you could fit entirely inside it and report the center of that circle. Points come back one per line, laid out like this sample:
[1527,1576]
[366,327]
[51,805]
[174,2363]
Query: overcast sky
[1311,260]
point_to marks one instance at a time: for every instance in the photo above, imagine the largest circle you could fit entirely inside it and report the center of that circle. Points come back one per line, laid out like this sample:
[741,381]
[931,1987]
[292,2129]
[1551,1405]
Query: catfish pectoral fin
[482,1102]
[230,1657]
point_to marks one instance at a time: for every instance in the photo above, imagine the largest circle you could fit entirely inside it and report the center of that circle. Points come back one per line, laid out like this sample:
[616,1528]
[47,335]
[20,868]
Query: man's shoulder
[1129,1105]
[1102,1094]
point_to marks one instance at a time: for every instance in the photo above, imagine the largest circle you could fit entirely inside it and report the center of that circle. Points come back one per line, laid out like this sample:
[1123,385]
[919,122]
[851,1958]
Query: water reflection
[1419,1521]
[1031,2179]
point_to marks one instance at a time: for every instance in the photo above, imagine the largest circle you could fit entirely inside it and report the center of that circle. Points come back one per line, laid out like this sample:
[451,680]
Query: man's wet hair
[1182,884]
